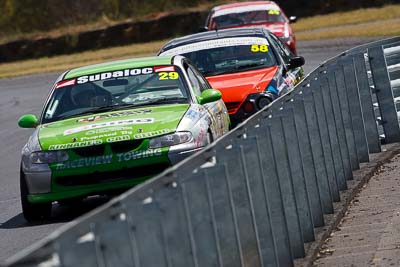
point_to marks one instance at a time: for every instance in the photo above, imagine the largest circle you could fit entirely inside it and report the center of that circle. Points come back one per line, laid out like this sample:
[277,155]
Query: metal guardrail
[254,197]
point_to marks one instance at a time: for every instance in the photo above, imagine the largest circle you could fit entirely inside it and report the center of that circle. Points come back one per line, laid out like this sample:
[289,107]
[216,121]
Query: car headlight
[46,157]
[171,139]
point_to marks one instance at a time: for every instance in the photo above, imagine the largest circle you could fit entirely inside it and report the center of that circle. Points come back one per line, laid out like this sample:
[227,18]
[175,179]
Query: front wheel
[32,212]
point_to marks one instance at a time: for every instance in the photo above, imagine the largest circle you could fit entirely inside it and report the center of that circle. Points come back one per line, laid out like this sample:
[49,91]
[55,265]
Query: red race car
[260,13]
[250,66]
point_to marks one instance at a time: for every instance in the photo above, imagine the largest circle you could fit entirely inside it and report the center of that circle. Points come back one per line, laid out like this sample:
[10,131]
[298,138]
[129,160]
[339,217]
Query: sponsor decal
[124,130]
[249,8]
[108,159]
[259,48]
[223,42]
[151,134]
[85,162]
[274,12]
[107,124]
[164,68]
[65,83]
[75,144]
[113,74]
[200,138]
[191,114]
[168,76]
[115,115]
[117,138]
[133,155]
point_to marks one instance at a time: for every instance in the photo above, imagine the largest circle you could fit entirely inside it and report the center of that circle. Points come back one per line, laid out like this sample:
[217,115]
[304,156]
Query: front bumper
[253,99]
[47,187]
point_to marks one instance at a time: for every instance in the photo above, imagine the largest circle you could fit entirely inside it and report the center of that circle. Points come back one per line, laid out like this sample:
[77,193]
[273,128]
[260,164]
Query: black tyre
[32,212]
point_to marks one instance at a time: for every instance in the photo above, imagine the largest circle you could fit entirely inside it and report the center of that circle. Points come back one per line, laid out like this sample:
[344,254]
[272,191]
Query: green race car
[110,126]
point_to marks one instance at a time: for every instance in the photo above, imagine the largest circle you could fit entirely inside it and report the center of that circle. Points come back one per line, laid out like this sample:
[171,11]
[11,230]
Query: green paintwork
[28,121]
[67,193]
[208,96]
[119,65]
[166,117]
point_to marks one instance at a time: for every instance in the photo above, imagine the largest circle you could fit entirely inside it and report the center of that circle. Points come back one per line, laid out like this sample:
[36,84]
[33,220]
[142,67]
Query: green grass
[379,29]
[349,17]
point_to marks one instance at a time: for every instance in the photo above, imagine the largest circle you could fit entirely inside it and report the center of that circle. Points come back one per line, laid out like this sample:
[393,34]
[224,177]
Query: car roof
[241,4]
[214,35]
[119,65]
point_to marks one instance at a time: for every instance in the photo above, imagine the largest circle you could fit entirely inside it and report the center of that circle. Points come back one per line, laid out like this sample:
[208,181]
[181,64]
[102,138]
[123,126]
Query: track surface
[26,95]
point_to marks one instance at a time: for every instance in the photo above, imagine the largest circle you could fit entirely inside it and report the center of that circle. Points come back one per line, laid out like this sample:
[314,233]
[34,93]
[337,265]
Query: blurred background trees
[25,16]
[42,15]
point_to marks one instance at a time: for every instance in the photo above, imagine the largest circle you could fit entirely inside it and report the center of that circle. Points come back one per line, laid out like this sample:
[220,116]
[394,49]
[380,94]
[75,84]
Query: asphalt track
[26,95]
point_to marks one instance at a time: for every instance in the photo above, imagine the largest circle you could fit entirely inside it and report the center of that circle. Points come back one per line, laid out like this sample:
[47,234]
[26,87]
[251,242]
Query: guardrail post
[333,134]
[261,207]
[176,231]
[384,94]
[224,216]
[116,241]
[347,122]
[237,180]
[201,219]
[371,128]
[328,130]
[291,149]
[293,213]
[305,164]
[274,197]
[324,189]
[329,94]
[79,248]
[355,109]
[146,233]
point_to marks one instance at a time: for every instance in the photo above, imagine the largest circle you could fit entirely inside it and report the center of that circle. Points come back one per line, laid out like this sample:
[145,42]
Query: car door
[291,76]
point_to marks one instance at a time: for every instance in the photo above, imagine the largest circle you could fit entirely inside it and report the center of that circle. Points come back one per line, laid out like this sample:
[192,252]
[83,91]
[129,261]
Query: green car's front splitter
[84,191]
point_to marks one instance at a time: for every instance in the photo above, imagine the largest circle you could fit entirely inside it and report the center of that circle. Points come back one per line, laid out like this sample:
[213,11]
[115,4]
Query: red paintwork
[276,28]
[235,87]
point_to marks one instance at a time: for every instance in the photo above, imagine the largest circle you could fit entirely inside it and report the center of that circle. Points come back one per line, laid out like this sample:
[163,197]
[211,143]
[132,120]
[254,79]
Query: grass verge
[375,29]
[350,17]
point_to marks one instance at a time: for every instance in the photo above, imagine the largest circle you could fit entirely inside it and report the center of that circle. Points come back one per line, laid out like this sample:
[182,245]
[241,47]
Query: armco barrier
[253,197]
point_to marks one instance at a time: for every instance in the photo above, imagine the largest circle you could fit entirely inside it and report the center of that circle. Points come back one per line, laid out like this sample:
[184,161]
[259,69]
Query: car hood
[235,87]
[109,127]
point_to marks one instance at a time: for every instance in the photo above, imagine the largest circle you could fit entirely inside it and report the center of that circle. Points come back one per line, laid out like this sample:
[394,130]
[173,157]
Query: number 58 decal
[173,75]
[259,48]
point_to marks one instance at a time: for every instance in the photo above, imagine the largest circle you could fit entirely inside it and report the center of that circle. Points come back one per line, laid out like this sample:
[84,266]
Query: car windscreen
[227,55]
[246,18]
[116,90]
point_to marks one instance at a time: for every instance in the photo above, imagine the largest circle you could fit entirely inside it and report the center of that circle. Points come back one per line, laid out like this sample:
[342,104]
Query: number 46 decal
[173,75]
[259,48]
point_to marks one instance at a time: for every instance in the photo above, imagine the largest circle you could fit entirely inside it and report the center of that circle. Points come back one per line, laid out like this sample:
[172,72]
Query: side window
[198,82]
[282,49]
[193,81]
[203,82]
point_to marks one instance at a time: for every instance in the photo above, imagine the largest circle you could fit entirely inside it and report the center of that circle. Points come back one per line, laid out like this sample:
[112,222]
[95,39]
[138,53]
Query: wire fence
[255,196]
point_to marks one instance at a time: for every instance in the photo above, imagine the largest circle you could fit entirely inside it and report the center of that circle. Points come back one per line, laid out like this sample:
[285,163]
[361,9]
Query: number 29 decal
[172,75]
[259,48]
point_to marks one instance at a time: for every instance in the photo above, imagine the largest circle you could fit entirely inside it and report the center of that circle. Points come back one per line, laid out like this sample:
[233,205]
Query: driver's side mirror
[296,62]
[292,19]
[208,96]
[28,121]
